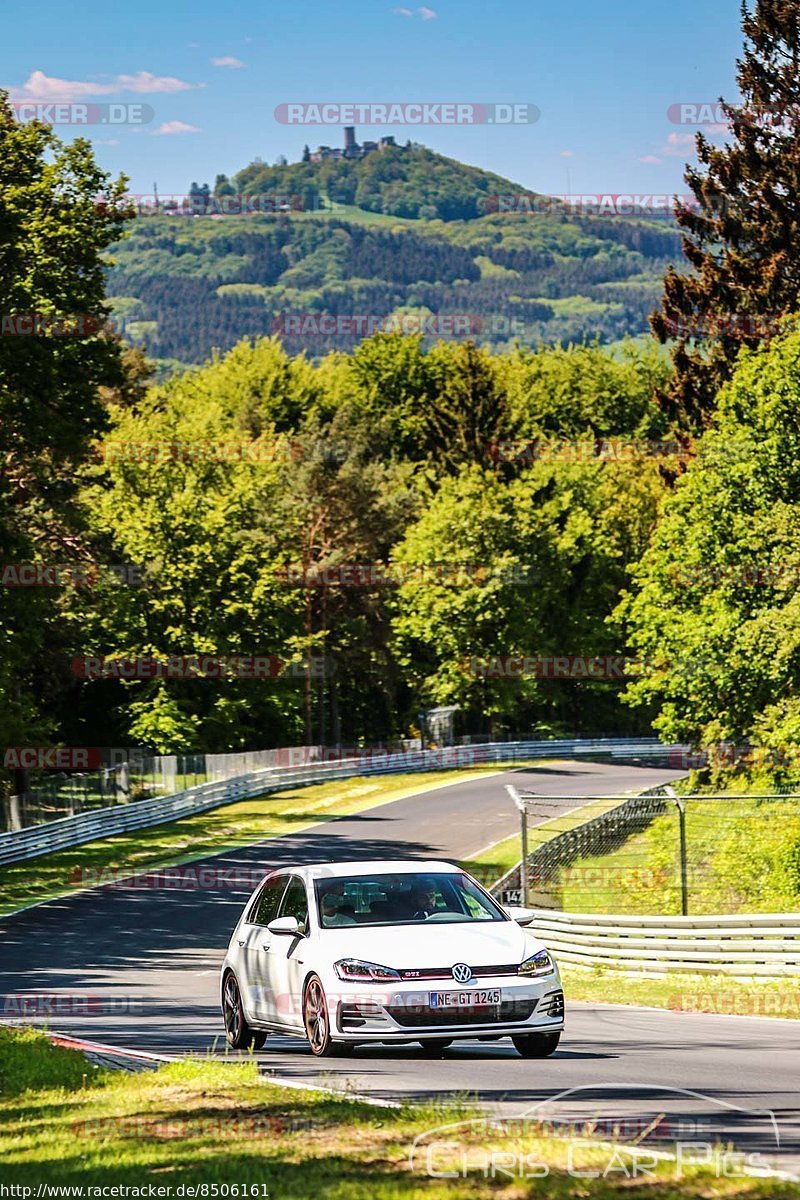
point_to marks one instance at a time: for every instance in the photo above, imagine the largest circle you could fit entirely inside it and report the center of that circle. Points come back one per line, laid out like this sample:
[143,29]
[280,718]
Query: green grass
[743,856]
[685,993]
[221,829]
[65,1123]
[495,861]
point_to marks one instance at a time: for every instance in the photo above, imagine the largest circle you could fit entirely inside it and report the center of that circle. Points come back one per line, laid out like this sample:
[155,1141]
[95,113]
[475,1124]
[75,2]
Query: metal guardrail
[766,945]
[743,946]
[20,844]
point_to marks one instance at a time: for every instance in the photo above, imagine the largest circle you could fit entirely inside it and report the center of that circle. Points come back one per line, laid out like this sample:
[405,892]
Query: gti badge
[462,973]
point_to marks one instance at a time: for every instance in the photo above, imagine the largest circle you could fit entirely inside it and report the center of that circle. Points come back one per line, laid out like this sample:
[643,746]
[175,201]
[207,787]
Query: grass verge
[204,1124]
[495,861]
[214,832]
[685,993]
[743,855]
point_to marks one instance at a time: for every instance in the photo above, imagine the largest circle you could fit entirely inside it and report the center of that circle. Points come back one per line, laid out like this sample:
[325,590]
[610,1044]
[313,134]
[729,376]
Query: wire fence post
[523,870]
[523,825]
[681,807]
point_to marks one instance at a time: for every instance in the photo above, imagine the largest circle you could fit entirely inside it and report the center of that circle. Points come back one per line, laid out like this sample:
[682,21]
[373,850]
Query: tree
[530,567]
[715,614]
[741,236]
[306,154]
[58,214]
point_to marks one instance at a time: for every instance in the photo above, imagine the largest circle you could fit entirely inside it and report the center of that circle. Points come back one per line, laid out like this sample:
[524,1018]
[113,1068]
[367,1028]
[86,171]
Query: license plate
[475,998]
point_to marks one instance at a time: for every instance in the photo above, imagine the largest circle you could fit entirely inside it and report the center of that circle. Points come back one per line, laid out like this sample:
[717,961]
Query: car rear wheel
[239,1034]
[536,1045]
[434,1047]
[318,1024]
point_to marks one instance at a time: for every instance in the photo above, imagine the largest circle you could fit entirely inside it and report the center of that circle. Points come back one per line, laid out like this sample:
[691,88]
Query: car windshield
[403,899]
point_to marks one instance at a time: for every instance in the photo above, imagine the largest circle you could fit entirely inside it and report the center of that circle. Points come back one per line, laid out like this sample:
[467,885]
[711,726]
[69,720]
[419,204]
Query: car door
[255,940]
[287,955]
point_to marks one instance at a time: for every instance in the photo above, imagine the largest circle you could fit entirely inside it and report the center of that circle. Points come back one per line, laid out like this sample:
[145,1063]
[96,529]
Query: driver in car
[424,901]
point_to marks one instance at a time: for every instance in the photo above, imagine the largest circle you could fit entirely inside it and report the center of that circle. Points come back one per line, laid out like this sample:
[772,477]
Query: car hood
[408,947]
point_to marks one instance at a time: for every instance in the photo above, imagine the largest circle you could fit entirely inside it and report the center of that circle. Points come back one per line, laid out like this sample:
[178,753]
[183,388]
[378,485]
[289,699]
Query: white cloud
[567,154]
[171,128]
[678,143]
[193,45]
[427,14]
[106,141]
[403,12]
[145,81]
[650,159]
[39,86]
[227,60]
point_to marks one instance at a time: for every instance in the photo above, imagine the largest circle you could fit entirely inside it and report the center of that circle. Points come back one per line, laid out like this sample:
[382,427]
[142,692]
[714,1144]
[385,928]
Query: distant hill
[402,238]
[411,182]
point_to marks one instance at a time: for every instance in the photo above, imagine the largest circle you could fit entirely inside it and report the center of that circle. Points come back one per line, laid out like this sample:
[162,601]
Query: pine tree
[742,233]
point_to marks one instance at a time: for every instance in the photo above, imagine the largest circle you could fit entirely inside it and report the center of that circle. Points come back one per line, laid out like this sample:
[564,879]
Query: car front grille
[487,1014]
[447,972]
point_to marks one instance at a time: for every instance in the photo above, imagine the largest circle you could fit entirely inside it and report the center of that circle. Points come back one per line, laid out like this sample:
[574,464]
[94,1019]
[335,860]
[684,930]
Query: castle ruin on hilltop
[351,148]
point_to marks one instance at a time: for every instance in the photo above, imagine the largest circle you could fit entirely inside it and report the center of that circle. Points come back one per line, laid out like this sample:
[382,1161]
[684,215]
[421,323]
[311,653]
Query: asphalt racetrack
[141,966]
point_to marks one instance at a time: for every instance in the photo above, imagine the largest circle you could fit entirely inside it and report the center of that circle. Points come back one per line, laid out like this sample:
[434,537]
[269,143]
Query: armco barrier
[764,945]
[21,844]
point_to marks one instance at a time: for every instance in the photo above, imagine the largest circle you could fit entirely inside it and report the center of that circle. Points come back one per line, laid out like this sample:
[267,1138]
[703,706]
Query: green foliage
[740,235]
[716,610]
[224,481]
[58,214]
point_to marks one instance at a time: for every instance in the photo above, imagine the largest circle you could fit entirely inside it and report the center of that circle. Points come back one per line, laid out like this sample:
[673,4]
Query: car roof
[388,866]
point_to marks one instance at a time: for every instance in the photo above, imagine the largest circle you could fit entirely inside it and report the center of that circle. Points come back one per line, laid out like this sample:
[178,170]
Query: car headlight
[355,970]
[538,964]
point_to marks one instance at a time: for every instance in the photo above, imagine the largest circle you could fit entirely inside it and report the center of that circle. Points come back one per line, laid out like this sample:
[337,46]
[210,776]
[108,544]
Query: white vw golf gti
[357,952]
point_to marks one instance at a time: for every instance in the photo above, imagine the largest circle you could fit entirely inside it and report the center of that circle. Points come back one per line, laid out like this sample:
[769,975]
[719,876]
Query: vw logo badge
[462,973]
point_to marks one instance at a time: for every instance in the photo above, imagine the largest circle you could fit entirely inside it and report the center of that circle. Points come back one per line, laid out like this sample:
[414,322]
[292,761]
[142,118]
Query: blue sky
[603,76]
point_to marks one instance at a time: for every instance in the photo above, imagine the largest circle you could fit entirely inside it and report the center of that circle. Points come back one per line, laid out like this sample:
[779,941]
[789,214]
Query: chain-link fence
[68,795]
[658,854]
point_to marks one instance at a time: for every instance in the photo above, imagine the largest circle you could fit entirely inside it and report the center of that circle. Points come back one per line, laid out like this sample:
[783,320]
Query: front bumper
[405,1014]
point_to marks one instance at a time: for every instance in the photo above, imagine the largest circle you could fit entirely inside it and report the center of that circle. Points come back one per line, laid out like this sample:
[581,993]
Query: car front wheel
[239,1034]
[316,1019]
[536,1045]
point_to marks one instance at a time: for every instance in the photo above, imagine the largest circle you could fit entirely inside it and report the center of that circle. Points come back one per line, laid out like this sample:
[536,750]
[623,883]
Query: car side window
[265,908]
[295,902]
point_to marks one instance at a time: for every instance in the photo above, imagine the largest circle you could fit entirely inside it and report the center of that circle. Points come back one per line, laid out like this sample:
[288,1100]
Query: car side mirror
[287,927]
[523,916]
